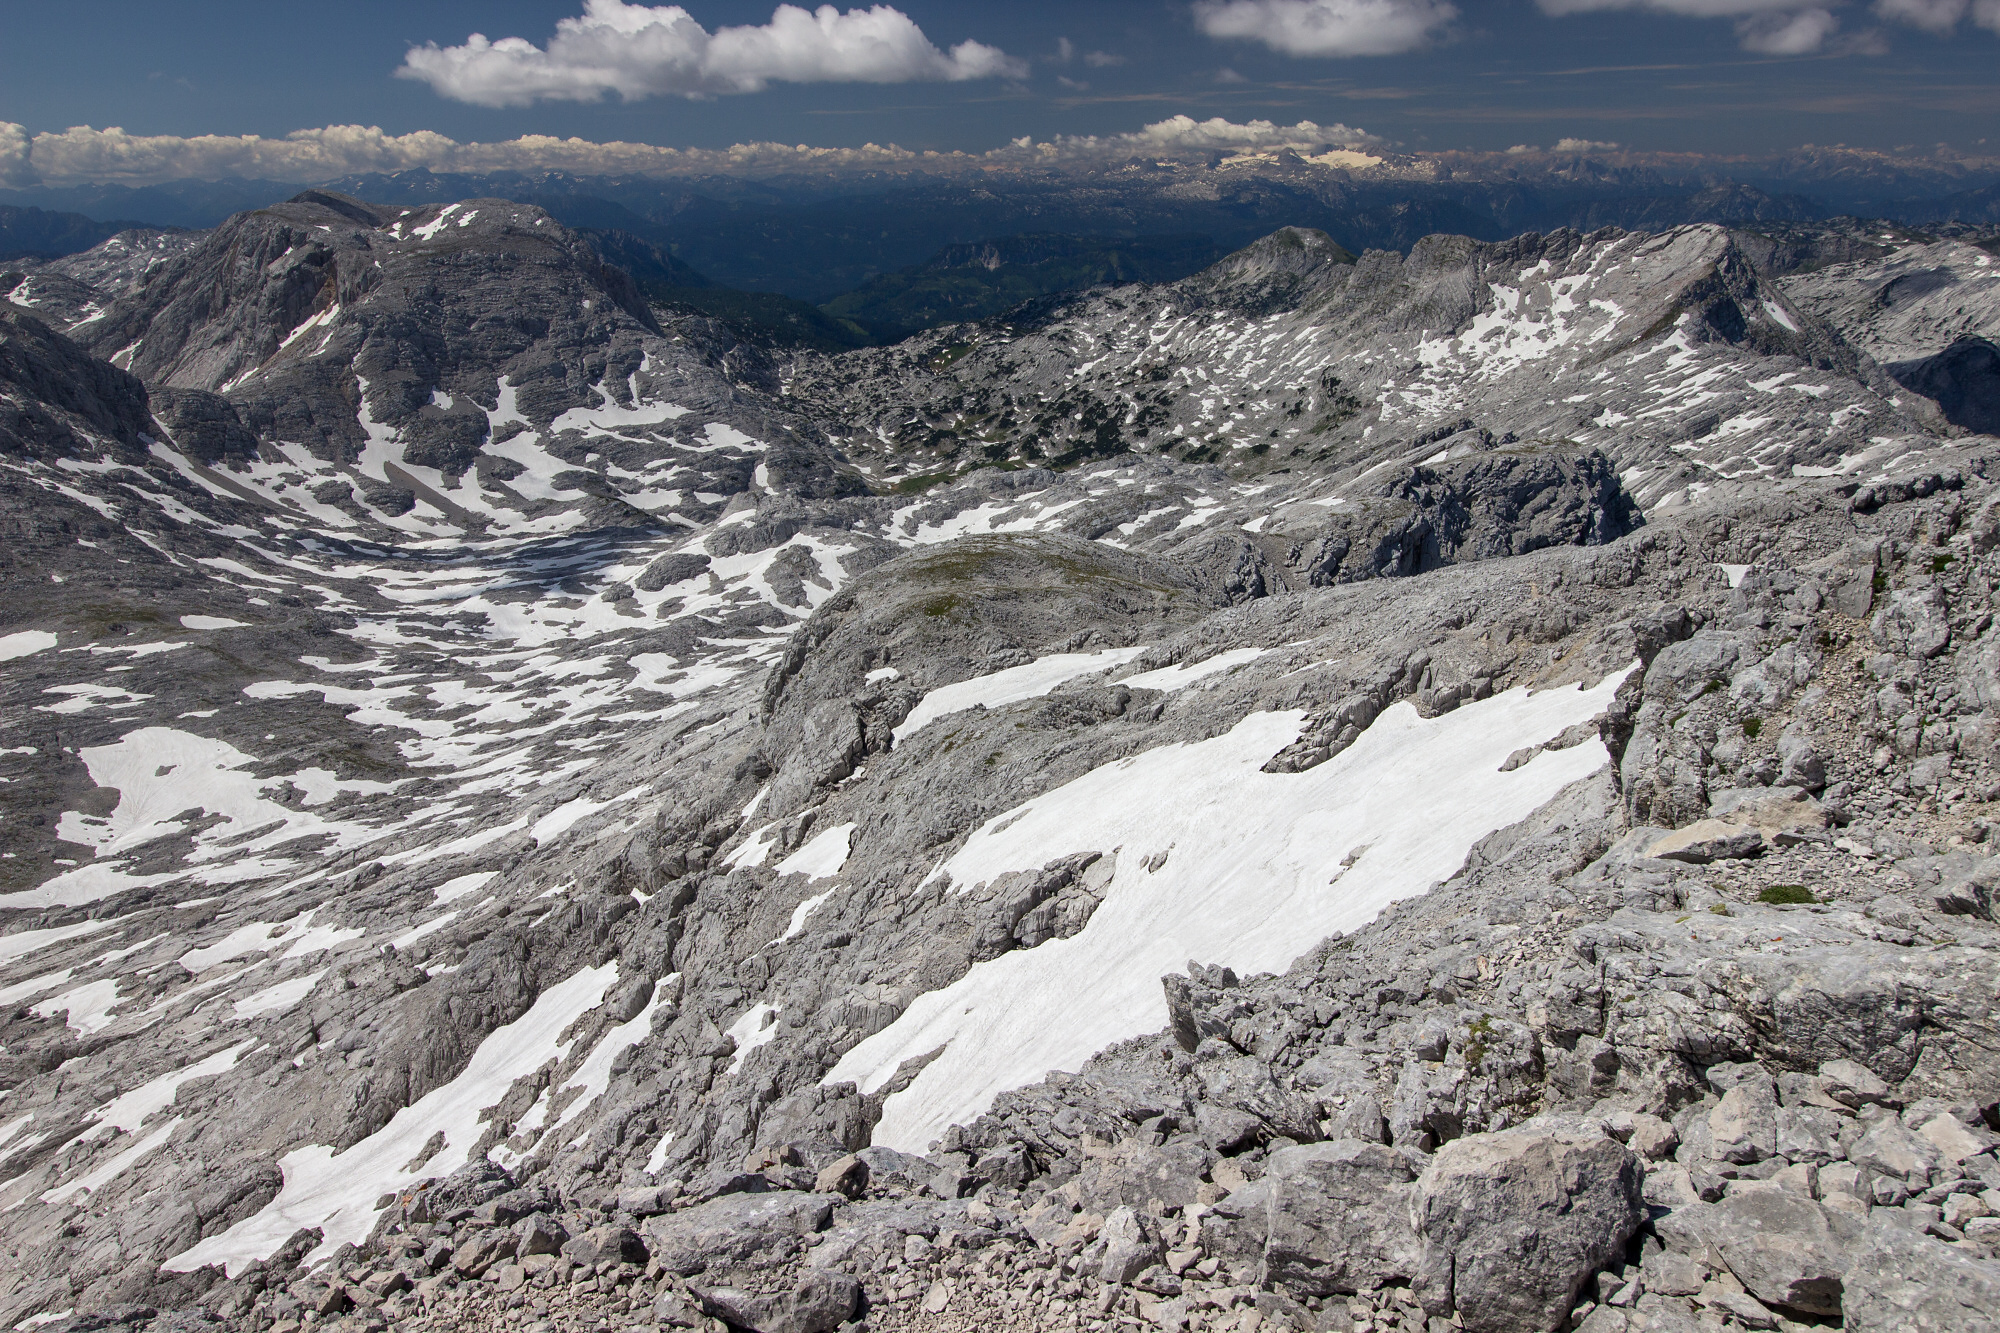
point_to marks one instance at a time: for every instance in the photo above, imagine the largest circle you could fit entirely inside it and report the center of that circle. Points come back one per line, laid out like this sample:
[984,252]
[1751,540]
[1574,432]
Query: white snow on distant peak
[593,1076]
[1030,680]
[1734,573]
[658,1160]
[23,943]
[86,1009]
[821,857]
[1259,868]
[756,1027]
[213,622]
[105,1173]
[1777,313]
[336,1192]
[23,642]
[608,415]
[1176,677]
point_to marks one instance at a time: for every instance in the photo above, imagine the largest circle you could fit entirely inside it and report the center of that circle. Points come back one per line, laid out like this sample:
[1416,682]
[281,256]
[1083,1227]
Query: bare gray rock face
[1513,1222]
[1900,1279]
[1783,1247]
[1324,1218]
[820,1303]
[738,1230]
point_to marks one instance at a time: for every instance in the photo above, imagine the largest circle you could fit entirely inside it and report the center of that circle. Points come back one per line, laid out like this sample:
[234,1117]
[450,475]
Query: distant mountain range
[37,233]
[838,260]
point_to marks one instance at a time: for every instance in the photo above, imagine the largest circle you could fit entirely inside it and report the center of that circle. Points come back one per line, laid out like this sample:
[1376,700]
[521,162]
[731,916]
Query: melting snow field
[336,1192]
[24,642]
[1259,868]
[822,857]
[1030,680]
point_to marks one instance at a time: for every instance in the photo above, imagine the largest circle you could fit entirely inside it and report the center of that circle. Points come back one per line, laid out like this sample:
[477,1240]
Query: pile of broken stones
[1175,1184]
[1622,1223]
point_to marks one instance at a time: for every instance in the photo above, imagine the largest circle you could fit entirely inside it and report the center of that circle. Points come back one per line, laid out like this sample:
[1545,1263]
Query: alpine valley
[1442,788]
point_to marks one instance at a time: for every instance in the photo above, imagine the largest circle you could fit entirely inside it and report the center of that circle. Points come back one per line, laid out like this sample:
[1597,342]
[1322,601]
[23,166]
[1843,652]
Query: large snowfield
[1258,868]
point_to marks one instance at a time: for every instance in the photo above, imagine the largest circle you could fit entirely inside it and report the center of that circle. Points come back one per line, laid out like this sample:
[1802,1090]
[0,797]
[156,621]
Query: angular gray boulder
[819,1303]
[1513,1223]
[1904,1281]
[1325,1218]
[1786,1249]
[738,1229]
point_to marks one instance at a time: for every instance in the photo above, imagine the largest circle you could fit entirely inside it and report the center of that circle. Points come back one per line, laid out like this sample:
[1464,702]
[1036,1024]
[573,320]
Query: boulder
[1338,1216]
[1131,1246]
[646,1200]
[1142,1176]
[619,1244]
[1224,1129]
[1783,1247]
[1954,1139]
[738,1229]
[897,1170]
[1708,840]
[1743,1126]
[1854,1085]
[539,1234]
[1891,1148]
[1513,1223]
[1902,1280]
[847,1176]
[821,1302]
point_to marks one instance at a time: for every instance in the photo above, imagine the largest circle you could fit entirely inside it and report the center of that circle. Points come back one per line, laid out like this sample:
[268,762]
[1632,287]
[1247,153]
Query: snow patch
[1259,868]
[336,1192]
[1030,680]
[822,857]
[24,642]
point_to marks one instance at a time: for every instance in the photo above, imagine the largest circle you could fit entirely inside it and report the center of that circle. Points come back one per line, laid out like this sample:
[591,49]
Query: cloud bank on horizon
[641,51]
[82,155]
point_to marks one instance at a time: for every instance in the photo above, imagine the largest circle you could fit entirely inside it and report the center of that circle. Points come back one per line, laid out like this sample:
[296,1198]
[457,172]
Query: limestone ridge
[526,806]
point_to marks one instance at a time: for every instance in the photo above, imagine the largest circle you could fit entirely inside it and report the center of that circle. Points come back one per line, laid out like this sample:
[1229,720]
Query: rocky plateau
[1438,790]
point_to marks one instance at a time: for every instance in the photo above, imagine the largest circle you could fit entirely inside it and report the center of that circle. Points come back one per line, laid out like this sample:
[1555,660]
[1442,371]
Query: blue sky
[1757,75]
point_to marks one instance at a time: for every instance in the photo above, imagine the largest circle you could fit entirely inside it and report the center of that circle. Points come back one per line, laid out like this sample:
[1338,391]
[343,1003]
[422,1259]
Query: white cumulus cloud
[1773,27]
[1940,16]
[1787,34]
[15,147]
[1327,27]
[641,51]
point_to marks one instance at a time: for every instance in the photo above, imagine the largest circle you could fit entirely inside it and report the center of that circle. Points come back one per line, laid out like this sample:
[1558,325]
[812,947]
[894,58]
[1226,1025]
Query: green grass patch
[918,485]
[1787,895]
[1752,726]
